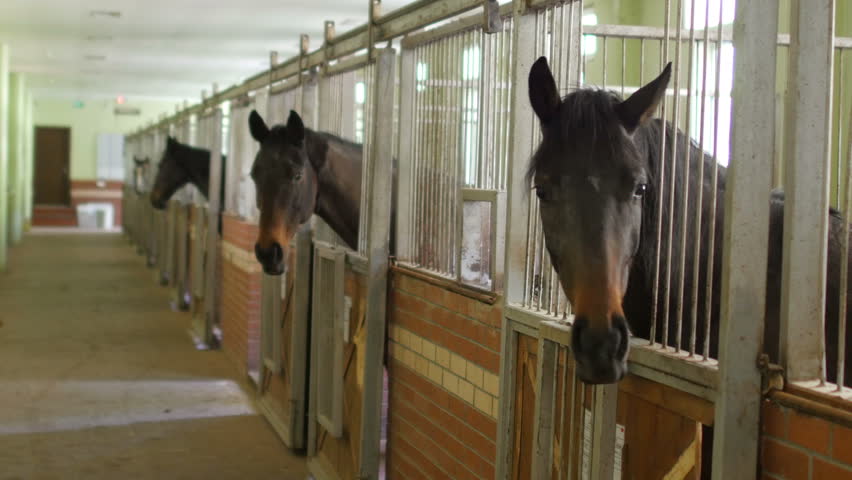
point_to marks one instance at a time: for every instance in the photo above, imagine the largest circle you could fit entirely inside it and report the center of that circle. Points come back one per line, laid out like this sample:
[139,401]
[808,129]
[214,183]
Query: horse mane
[586,113]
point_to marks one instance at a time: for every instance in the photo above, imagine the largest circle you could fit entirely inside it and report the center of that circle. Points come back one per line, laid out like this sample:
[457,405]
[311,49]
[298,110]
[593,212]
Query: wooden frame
[327,339]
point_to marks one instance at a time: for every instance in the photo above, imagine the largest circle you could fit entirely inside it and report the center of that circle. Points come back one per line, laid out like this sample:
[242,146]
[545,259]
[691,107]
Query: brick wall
[241,275]
[797,444]
[443,357]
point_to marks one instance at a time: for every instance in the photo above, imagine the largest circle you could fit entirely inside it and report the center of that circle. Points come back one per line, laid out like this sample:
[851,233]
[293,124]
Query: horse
[182,164]
[596,173]
[299,172]
[139,167]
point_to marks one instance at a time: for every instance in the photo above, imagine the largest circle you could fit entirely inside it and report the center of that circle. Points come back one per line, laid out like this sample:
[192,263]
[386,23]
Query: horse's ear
[170,143]
[642,104]
[295,128]
[544,97]
[258,127]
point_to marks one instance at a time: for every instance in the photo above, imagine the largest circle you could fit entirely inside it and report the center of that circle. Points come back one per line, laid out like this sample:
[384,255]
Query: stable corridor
[99,379]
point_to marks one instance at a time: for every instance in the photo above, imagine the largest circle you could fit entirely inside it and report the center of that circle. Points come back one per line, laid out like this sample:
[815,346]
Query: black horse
[182,164]
[596,174]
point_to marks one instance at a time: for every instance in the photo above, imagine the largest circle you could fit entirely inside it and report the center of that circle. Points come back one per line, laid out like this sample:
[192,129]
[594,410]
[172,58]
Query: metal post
[211,299]
[521,131]
[735,446]
[806,176]
[16,157]
[380,191]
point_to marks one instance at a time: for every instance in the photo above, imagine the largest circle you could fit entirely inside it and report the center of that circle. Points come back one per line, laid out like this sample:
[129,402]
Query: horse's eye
[542,193]
[640,190]
[298,177]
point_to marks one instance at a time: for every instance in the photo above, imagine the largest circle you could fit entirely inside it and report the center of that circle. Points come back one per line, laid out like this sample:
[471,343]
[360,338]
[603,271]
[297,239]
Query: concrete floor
[99,380]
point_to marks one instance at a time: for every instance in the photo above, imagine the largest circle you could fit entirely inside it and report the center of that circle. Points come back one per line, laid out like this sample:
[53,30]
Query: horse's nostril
[277,253]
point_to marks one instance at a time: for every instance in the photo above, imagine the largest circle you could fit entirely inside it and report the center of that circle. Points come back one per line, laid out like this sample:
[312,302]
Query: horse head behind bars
[596,173]
[181,164]
[298,172]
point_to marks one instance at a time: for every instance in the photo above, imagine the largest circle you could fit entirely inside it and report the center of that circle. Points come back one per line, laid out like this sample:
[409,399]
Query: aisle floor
[99,378]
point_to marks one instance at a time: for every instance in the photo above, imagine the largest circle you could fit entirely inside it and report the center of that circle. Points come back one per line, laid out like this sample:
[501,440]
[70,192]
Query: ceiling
[159,49]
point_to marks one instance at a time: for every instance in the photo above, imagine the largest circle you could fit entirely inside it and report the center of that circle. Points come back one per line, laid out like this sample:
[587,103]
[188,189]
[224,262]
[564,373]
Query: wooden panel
[525,397]
[662,426]
[52,156]
[655,440]
[341,454]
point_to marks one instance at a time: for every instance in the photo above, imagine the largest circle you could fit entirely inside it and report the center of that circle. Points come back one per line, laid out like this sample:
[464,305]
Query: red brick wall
[797,445]
[443,356]
[240,310]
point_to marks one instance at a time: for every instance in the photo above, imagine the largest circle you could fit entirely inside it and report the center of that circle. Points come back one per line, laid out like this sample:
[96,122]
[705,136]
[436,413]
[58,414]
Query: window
[707,15]
[707,12]
[590,42]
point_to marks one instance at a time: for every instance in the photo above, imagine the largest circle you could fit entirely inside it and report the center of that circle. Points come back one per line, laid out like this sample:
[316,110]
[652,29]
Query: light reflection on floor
[76,404]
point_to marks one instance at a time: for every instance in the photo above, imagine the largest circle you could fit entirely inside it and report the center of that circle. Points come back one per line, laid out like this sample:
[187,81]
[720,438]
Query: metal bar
[696,264]
[664,56]
[405,170]
[806,177]
[711,245]
[211,298]
[378,241]
[737,416]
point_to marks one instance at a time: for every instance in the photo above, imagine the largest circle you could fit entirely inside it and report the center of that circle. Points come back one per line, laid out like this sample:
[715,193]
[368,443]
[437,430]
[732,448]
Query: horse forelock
[585,116]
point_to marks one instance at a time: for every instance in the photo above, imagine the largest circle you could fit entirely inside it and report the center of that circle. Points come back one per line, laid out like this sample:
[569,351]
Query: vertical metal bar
[737,415]
[839,135]
[673,179]
[211,297]
[686,190]
[664,55]
[405,169]
[711,246]
[699,201]
[806,177]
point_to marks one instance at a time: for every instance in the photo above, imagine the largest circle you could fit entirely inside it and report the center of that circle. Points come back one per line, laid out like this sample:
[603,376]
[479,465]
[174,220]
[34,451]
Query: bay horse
[595,173]
[299,172]
[182,164]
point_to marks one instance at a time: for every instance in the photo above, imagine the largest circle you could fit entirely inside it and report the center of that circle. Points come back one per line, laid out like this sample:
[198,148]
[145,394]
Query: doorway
[52,185]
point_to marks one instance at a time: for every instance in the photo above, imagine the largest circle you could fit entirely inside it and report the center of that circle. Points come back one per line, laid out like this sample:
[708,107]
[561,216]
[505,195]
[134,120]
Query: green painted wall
[96,116]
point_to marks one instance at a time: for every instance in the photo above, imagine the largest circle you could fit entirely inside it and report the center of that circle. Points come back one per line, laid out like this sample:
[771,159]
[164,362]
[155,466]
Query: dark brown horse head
[591,181]
[286,185]
[171,175]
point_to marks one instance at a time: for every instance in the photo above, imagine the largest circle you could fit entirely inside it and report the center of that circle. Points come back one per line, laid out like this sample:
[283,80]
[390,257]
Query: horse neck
[643,271]
[337,164]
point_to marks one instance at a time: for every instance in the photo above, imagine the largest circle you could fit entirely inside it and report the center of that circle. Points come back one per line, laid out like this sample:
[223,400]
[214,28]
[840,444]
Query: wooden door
[52,155]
